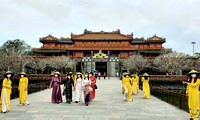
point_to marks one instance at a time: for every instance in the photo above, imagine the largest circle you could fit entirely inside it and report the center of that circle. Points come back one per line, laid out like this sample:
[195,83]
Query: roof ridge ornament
[87,31]
[49,37]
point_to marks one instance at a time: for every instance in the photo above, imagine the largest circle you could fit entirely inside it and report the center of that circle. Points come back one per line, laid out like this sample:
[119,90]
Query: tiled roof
[155,38]
[49,37]
[89,35]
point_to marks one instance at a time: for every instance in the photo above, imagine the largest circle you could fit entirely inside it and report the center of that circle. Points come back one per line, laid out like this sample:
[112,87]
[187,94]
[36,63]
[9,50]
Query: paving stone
[108,105]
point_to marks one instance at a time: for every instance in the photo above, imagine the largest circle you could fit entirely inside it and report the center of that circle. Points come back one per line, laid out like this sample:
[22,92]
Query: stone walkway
[109,105]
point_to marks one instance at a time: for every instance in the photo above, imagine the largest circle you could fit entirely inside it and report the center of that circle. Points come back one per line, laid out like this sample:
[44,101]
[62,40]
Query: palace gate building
[100,51]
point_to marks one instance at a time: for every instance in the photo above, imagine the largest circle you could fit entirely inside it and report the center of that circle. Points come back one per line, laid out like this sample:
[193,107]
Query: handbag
[95,86]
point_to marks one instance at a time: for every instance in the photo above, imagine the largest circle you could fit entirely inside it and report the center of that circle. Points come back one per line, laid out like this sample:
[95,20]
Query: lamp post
[108,65]
[193,46]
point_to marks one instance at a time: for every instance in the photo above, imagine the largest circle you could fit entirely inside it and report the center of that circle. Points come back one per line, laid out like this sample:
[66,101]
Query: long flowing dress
[87,90]
[56,96]
[137,77]
[79,90]
[145,88]
[126,81]
[5,95]
[193,98]
[93,82]
[122,83]
[23,88]
[68,83]
[135,85]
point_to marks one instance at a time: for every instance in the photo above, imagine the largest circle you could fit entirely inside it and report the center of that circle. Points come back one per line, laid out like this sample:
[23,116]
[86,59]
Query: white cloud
[177,21]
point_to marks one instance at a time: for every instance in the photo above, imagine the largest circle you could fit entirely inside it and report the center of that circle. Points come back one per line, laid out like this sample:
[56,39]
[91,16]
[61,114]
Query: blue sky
[176,20]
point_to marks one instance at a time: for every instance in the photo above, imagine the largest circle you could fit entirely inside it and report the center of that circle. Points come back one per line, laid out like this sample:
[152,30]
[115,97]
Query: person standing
[56,96]
[145,86]
[23,88]
[126,81]
[6,92]
[104,75]
[87,89]
[99,75]
[93,83]
[117,74]
[79,88]
[134,84]
[122,77]
[67,90]
[192,92]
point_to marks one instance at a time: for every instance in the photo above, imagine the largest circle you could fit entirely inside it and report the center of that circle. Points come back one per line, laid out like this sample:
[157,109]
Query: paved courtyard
[108,105]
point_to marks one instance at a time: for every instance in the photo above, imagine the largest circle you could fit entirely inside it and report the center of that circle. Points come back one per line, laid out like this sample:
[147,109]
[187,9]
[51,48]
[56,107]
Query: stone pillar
[112,69]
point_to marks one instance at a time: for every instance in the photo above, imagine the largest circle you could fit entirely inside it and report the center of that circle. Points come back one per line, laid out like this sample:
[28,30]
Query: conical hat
[56,73]
[133,75]
[9,72]
[193,72]
[22,73]
[126,73]
[145,74]
[79,73]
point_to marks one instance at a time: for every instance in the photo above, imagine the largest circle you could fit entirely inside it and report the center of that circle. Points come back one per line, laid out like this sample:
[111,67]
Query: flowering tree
[196,64]
[42,64]
[172,63]
[56,63]
[59,62]
[136,63]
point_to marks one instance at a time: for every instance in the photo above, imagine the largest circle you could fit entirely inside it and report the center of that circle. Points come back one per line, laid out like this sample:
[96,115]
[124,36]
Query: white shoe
[27,103]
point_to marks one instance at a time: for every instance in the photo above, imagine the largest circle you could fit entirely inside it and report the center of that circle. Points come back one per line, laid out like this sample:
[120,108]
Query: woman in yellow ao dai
[126,82]
[145,86]
[135,81]
[192,92]
[6,92]
[23,86]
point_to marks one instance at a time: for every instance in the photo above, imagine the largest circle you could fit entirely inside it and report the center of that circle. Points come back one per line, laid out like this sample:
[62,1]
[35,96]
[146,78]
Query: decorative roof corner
[116,32]
[130,35]
[73,35]
[49,37]
[155,38]
[87,31]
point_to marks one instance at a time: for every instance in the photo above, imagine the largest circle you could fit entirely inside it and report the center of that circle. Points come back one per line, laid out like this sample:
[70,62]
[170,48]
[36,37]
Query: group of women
[7,90]
[130,86]
[84,87]
[82,84]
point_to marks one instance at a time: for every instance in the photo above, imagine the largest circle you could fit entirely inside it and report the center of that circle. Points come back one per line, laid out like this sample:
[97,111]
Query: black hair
[80,76]
[86,77]
[146,77]
[11,77]
[195,79]
[91,73]
[23,74]
[69,75]
[68,78]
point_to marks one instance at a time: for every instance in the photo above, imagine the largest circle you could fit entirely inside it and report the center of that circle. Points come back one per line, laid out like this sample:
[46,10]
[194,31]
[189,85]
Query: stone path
[109,105]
